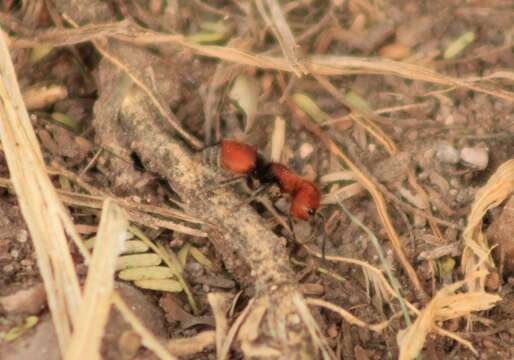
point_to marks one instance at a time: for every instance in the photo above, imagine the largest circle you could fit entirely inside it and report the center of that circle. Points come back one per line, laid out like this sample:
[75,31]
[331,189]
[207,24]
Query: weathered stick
[250,250]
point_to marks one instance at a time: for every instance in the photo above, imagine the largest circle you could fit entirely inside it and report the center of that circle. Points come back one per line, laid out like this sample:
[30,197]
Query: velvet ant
[244,160]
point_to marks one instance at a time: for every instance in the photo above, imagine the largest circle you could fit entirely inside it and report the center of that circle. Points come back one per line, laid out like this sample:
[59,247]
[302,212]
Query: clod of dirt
[447,154]
[393,169]
[129,344]
[395,51]
[173,310]
[500,234]
[147,312]
[476,157]
[305,150]
[41,342]
[215,281]
[25,302]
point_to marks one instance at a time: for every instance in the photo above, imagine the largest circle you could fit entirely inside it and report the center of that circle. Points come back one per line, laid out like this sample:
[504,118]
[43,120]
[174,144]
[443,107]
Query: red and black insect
[244,160]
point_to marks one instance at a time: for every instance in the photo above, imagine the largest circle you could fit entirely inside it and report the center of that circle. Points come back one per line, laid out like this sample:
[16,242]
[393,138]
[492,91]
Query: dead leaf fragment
[445,305]
[173,310]
[245,93]
[500,233]
[395,51]
[477,252]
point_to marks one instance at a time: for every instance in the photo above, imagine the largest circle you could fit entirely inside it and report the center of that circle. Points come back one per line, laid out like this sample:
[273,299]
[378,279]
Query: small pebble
[129,343]
[194,268]
[477,157]
[27,263]
[449,120]
[23,236]
[294,319]
[447,154]
[395,51]
[305,150]
[26,302]
[354,299]
[177,242]
[455,183]
[332,331]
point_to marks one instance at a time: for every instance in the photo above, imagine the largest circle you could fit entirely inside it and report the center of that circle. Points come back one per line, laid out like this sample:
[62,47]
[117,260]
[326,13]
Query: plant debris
[400,113]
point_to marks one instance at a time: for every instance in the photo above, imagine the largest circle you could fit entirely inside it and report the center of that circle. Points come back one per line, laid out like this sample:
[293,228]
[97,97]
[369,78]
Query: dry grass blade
[46,218]
[128,203]
[231,335]
[386,288]
[249,331]
[136,212]
[148,339]
[94,310]
[373,190]
[219,303]
[329,65]
[344,65]
[315,332]
[278,138]
[278,24]
[369,271]
[165,112]
[222,75]
[392,279]
[365,119]
[476,254]
[445,305]
[347,316]
[343,193]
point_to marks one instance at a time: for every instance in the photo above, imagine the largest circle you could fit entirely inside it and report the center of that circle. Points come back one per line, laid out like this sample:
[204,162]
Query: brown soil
[431,136]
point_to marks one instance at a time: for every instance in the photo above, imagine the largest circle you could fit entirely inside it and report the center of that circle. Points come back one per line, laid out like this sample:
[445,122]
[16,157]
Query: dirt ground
[449,139]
